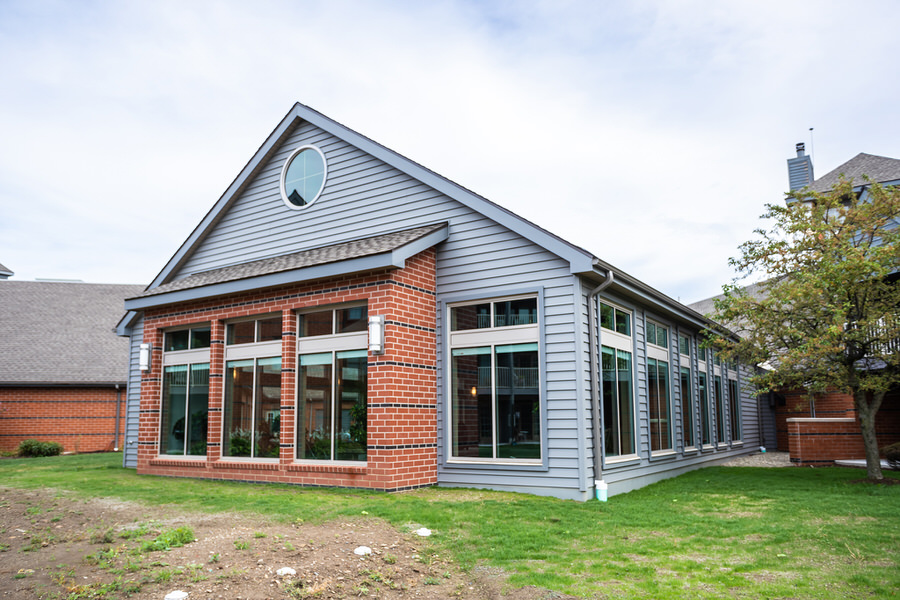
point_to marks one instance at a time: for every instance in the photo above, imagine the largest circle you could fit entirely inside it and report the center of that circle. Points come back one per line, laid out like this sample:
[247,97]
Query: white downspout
[600,486]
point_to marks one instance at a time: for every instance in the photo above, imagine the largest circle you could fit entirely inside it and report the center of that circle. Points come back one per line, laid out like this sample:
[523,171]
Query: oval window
[303,177]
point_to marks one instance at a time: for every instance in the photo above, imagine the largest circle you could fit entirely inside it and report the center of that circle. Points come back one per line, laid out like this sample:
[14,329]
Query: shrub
[32,448]
[892,454]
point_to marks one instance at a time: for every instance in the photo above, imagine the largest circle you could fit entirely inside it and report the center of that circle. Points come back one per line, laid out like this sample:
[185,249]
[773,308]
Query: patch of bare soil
[56,547]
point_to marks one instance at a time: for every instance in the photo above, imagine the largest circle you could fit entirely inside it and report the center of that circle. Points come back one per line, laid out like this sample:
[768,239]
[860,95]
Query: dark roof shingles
[877,169]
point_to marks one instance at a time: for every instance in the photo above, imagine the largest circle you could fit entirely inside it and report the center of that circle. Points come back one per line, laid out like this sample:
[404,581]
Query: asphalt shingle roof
[877,168]
[56,332]
[378,244]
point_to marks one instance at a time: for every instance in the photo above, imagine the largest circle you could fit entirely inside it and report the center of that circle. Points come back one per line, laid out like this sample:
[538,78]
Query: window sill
[690,451]
[662,454]
[621,461]
[494,465]
[327,467]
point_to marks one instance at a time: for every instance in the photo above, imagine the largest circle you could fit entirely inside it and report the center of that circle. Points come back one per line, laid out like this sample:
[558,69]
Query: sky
[651,133]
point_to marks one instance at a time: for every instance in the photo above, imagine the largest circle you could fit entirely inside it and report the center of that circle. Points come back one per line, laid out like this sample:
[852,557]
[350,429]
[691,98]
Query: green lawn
[714,533]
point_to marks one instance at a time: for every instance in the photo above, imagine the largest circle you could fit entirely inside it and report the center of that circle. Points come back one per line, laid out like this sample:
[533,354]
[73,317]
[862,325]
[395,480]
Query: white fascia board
[346,267]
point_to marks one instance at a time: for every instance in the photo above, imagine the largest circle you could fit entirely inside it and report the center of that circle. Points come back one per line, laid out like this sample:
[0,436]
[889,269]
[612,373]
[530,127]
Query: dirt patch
[54,546]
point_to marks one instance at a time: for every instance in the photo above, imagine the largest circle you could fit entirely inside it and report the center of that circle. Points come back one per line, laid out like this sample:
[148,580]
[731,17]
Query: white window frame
[492,337]
[176,358]
[619,341]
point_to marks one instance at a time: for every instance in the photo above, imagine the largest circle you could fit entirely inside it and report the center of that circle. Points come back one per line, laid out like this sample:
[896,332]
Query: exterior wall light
[144,357]
[376,335]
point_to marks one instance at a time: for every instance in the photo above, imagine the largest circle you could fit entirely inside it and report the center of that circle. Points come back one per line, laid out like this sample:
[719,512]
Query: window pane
[268,330]
[515,312]
[606,317]
[238,408]
[351,413]
[701,354]
[314,407]
[684,345]
[687,410]
[474,316]
[618,417]
[200,338]
[171,440]
[516,380]
[267,409]
[662,336]
[471,418]
[704,409]
[623,322]
[243,332]
[720,411]
[735,409]
[352,319]
[198,410]
[176,340]
[658,392]
[316,323]
[651,333]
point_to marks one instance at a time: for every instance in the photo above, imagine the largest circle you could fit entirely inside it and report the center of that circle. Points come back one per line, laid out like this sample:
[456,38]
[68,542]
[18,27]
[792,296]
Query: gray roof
[878,169]
[378,244]
[62,333]
[5,272]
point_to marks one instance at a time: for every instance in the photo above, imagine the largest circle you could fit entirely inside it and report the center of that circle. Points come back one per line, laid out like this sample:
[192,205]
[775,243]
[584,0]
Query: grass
[714,533]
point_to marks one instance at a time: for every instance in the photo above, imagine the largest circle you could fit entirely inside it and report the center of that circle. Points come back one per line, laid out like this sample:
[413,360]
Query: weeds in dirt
[170,538]
[241,545]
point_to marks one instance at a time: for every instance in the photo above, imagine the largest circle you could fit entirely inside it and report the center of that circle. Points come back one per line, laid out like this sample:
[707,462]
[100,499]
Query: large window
[734,406]
[617,376]
[720,410]
[687,397]
[705,423]
[252,411]
[495,380]
[658,387]
[332,413]
[185,392]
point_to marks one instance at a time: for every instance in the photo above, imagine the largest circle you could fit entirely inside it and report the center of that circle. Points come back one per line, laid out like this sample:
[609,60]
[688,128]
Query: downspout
[600,487]
[118,412]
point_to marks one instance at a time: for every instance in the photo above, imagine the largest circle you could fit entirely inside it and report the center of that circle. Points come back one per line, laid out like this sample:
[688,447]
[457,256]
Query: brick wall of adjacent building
[401,387]
[82,419]
[834,433]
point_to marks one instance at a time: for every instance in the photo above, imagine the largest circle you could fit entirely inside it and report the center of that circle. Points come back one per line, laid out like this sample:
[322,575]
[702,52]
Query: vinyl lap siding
[365,197]
[133,401]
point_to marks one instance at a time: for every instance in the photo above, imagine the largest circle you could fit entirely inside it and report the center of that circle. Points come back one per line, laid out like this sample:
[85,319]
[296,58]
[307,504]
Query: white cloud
[651,133]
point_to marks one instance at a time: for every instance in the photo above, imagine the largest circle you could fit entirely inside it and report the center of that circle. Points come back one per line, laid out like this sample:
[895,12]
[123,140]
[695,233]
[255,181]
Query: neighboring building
[62,367]
[345,317]
[823,428]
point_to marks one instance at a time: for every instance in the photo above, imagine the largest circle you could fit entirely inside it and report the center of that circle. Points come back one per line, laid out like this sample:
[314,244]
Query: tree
[825,316]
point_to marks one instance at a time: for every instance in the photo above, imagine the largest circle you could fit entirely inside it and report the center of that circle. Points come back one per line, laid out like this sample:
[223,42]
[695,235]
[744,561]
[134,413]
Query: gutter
[600,487]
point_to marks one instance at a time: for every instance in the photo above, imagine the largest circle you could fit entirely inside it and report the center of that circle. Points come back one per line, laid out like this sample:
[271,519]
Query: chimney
[800,169]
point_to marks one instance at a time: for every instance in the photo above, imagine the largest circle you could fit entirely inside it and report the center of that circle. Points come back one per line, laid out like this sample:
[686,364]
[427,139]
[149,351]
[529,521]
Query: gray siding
[365,197]
[133,401]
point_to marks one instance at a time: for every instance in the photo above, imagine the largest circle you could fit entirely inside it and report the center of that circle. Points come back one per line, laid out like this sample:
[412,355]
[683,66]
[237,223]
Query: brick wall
[834,434]
[401,390]
[81,419]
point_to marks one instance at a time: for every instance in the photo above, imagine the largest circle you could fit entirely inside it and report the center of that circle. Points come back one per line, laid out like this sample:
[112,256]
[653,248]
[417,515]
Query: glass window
[618,402]
[332,406]
[486,315]
[184,410]
[684,345]
[252,417]
[615,319]
[194,338]
[658,394]
[687,409]
[496,402]
[705,433]
[303,177]
[332,321]
[720,410]
[657,334]
[701,354]
[251,332]
[734,406]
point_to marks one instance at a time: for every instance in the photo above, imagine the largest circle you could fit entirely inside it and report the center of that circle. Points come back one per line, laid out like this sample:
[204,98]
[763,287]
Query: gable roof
[580,260]
[381,251]
[878,169]
[5,272]
[62,333]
